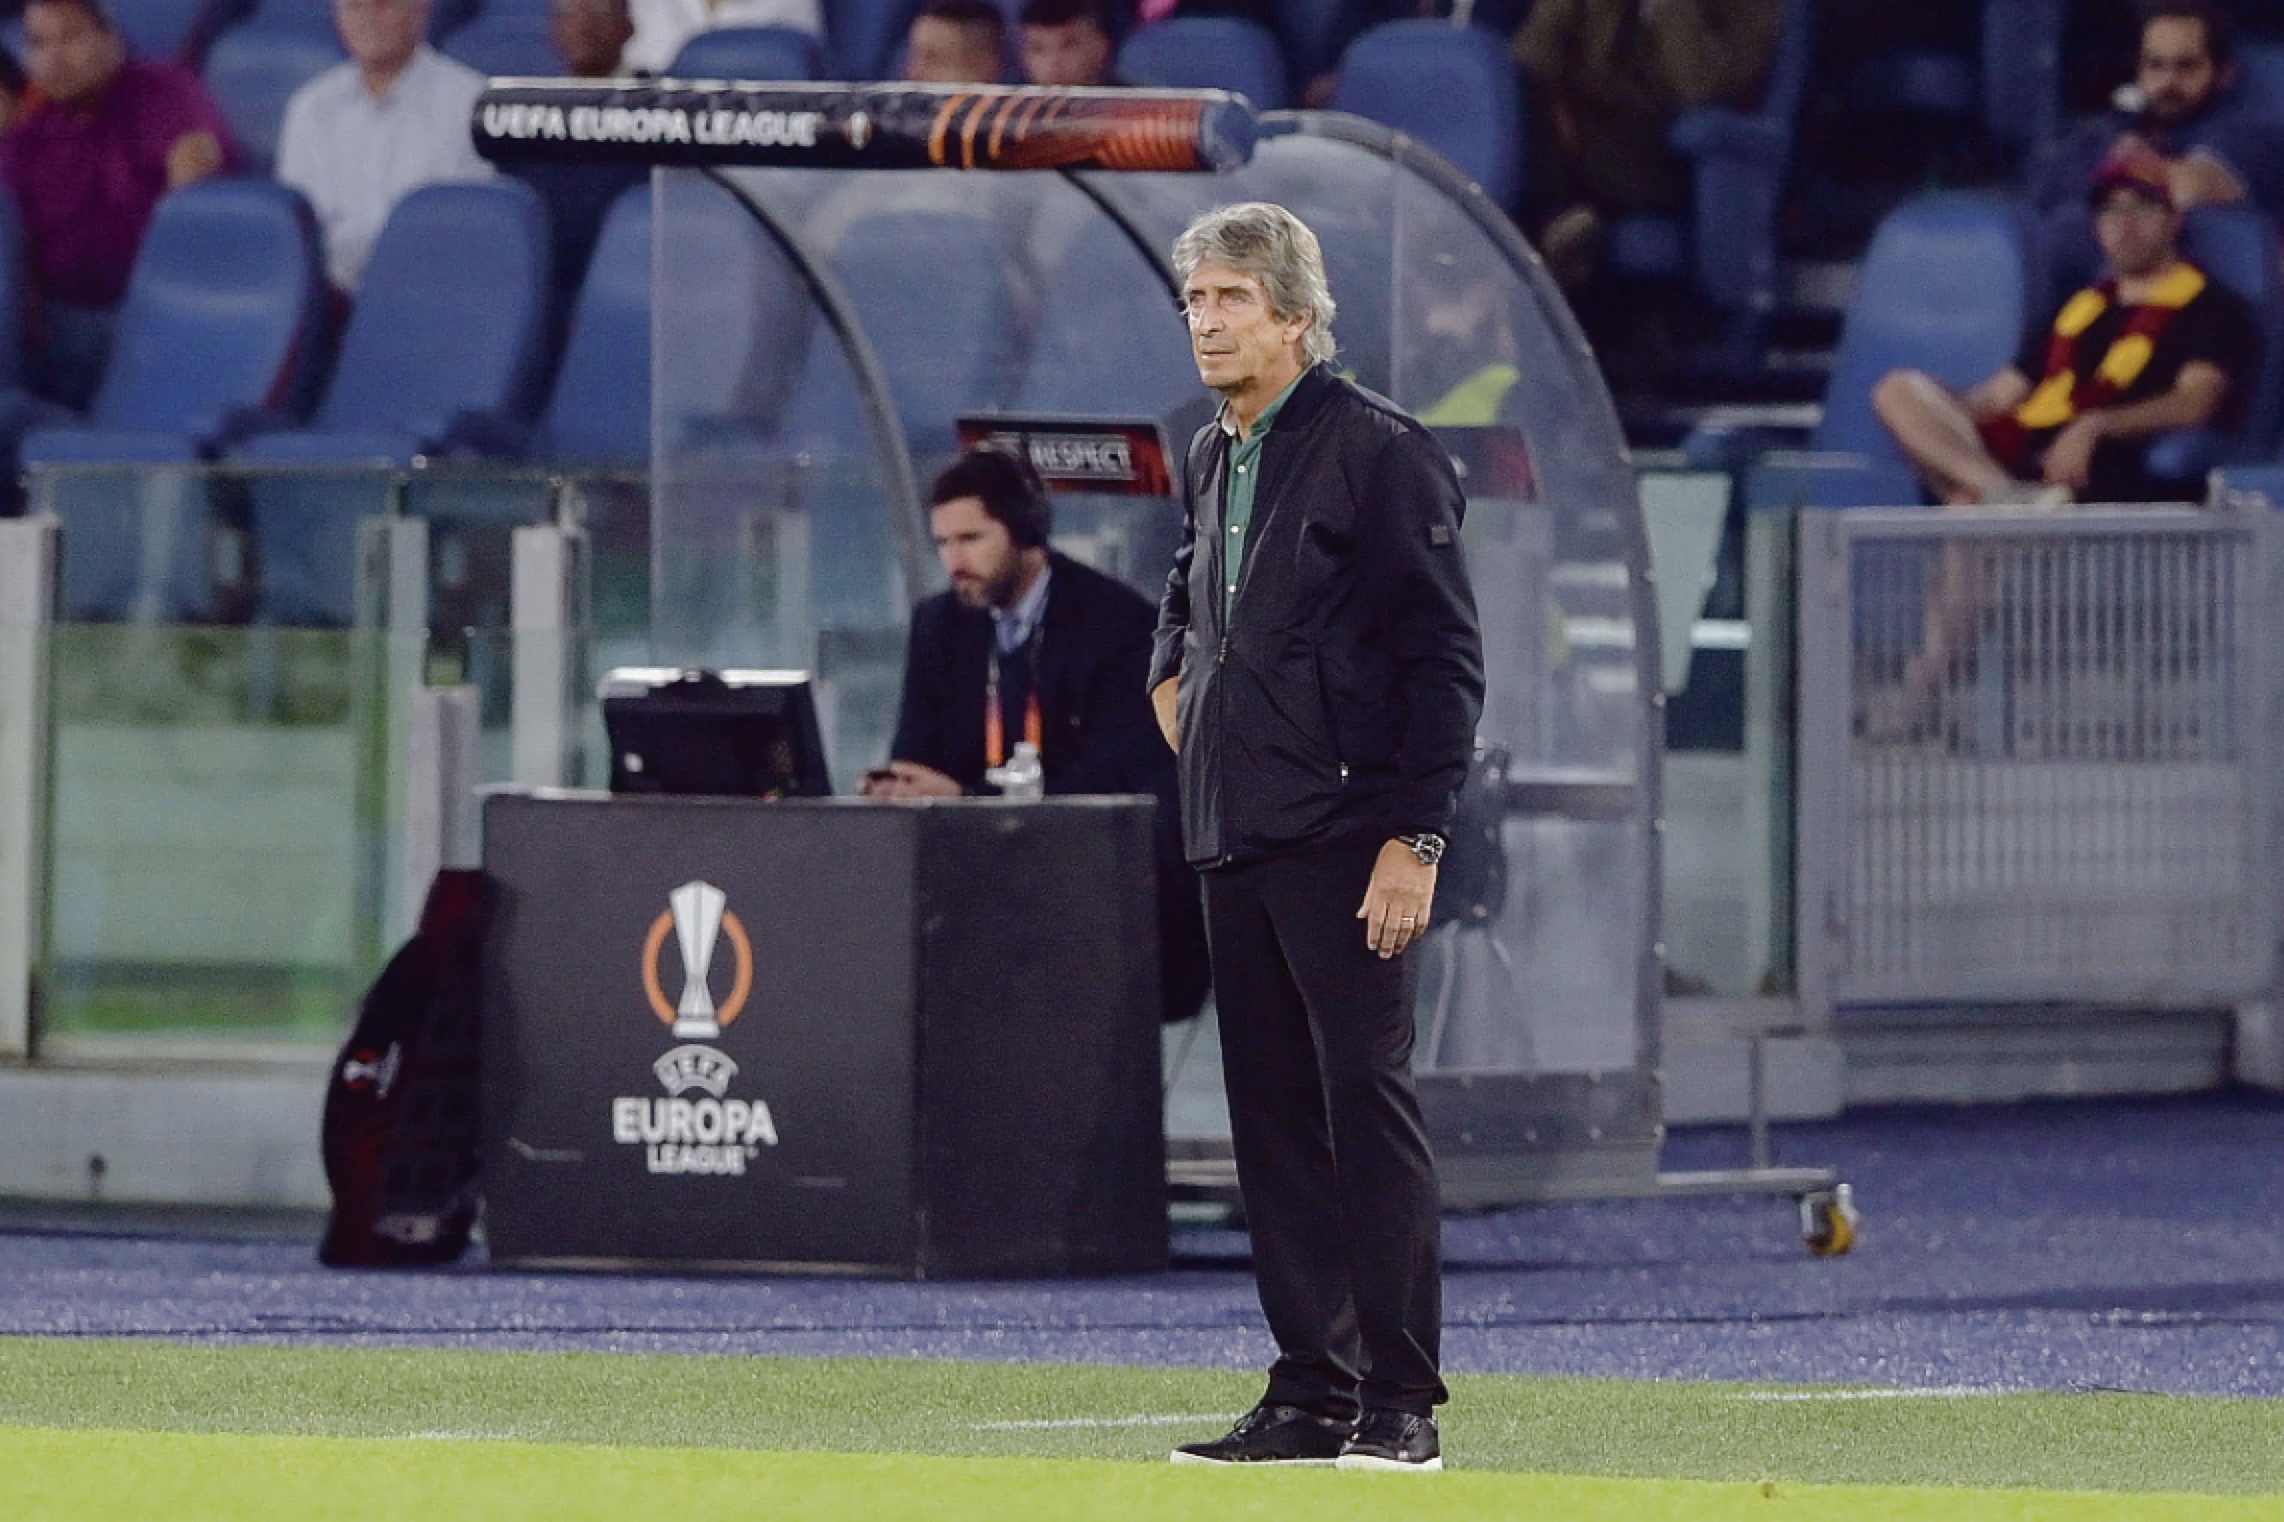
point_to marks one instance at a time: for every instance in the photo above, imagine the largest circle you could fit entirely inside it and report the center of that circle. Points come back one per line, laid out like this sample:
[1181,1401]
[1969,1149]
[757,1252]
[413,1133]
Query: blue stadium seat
[1208,53]
[863,36]
[254,68]
[1455,88]
[1941,289]
[598,411]
[220,321]
[1726,248]
[748,52]
[511,43]
[442,356]
[173,30]
[221,317]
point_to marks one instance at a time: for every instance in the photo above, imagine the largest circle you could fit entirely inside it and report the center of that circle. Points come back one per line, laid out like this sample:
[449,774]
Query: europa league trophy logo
[697,922]
[698,918]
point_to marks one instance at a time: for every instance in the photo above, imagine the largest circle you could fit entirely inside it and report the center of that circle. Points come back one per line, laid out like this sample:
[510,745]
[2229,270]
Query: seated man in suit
[1031,646]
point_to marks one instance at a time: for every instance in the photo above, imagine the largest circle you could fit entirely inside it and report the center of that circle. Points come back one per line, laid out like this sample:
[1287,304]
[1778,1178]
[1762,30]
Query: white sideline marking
[1098,1421]
[1936,1392]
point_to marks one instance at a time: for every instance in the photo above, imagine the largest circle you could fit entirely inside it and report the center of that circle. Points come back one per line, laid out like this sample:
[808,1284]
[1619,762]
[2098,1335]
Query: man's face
[381,34]
[940,52]
[1075,53]
[2135,232]
[1239,343]
[589,35]
[2176,75]
[68,54]
[979,554]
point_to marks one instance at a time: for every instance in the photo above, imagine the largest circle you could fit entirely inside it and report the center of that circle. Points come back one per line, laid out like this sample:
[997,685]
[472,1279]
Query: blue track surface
[2127,1245]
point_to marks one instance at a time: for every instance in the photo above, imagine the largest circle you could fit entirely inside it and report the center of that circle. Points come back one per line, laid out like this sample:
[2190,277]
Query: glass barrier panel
[207,834]
[227,818]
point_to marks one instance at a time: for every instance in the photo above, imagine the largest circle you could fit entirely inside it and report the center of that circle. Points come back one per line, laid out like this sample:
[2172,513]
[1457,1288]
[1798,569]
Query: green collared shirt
[1237,500]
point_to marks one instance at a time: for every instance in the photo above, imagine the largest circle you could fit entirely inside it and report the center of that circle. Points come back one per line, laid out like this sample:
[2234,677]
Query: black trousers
[1332,1158]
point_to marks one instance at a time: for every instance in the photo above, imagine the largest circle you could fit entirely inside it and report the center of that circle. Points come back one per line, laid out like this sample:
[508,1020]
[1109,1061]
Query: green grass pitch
[97,1431]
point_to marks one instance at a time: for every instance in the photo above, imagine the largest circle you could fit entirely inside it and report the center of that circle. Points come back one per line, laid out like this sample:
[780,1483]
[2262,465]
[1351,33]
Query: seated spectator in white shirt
[662,26]
[363,133]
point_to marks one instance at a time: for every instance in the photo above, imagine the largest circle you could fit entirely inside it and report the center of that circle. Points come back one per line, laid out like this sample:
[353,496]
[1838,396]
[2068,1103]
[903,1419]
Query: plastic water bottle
[1021,778]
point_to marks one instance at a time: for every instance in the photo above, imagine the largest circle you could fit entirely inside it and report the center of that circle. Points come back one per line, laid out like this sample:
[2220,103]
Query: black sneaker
[1392,1440]
[1272,1435]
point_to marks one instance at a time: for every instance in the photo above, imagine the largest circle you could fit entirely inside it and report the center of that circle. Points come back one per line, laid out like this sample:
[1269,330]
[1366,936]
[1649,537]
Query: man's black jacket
[1341,698]
[1093,651]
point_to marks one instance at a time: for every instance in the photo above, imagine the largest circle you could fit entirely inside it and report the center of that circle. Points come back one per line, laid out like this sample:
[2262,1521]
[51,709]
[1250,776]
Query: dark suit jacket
[1094,657]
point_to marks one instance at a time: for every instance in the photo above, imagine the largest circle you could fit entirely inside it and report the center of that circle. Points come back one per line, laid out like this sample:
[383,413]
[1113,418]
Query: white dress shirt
[662,26]
[355,156]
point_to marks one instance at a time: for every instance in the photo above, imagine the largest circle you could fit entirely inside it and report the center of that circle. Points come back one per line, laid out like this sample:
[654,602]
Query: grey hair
[1276,248]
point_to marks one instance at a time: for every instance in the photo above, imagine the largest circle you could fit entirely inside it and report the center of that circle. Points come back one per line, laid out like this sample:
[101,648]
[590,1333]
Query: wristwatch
[1426,845]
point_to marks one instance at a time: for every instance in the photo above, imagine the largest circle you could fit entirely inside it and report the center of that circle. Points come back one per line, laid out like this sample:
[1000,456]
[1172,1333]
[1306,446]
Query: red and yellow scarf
[2061,395]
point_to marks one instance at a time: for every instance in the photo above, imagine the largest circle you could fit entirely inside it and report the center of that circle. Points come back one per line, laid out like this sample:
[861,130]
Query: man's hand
[1164,700]
[907,779]
[1396,903]
[2199,179]
[2070,458]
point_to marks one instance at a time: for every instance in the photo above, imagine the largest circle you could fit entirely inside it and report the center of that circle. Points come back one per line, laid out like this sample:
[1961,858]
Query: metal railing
[2031,757]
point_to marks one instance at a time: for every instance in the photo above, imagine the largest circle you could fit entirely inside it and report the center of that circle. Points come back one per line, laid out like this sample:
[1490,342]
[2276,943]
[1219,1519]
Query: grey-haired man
[1319,671]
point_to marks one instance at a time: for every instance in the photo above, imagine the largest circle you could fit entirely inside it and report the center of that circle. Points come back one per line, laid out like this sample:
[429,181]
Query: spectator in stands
[2181,106]
[1608,78]
[1067,42]
[1031,644]
[956,42]
[661,27]
[2154,346]
[590,36]
[360,135]
[87,163]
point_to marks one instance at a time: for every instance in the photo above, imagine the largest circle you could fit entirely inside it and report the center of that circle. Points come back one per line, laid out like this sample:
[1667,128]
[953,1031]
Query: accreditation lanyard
[994,728]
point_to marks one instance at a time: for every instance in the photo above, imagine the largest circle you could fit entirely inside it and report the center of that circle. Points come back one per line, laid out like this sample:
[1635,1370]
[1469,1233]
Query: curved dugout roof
[820,333]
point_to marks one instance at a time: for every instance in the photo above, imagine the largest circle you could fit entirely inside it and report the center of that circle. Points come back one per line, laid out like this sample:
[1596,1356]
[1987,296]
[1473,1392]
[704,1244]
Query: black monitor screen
[735,734]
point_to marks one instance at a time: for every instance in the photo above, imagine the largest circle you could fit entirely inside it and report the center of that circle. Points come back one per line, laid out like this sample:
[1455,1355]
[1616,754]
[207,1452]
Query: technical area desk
[912,1040]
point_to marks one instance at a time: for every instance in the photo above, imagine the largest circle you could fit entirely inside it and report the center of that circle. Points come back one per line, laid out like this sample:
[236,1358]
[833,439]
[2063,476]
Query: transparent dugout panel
[819,335]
